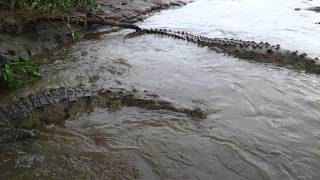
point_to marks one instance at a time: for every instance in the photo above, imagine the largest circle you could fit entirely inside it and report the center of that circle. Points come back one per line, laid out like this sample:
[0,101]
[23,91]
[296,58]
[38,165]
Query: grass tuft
[50,7]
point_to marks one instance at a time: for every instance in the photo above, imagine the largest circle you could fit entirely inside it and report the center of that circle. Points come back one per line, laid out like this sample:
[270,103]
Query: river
[263,120]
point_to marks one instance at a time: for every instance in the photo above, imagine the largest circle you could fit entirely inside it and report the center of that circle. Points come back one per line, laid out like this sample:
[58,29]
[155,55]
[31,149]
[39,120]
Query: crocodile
[263,52]
[54,106]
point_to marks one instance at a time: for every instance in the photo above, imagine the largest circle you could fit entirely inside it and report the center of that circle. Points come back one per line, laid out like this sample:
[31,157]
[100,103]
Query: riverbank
[38,37]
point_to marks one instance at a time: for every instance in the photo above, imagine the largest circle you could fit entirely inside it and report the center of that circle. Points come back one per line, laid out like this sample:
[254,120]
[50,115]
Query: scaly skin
[16,134]
[53,106]
[250,50]
[56,105]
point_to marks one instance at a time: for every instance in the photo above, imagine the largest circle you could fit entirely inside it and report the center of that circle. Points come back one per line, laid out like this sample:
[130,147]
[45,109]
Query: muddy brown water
[263,120]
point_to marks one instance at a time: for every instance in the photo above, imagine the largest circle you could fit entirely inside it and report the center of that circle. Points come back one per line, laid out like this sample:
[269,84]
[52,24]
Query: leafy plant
[14,73]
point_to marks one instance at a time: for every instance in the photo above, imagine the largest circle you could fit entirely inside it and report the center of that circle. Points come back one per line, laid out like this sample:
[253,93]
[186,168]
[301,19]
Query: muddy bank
[17,36]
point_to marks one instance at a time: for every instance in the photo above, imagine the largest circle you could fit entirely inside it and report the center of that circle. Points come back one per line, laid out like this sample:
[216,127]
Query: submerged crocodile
[54,106]
[250,50]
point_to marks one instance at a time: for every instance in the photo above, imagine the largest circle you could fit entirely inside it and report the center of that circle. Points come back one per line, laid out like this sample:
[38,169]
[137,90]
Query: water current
[263,120]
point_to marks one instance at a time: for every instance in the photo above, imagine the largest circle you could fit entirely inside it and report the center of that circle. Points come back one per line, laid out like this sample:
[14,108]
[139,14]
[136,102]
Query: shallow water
[263,120]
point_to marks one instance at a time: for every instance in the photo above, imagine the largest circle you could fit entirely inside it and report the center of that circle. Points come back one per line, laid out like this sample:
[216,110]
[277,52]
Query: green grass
[13,74]
[51,7]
